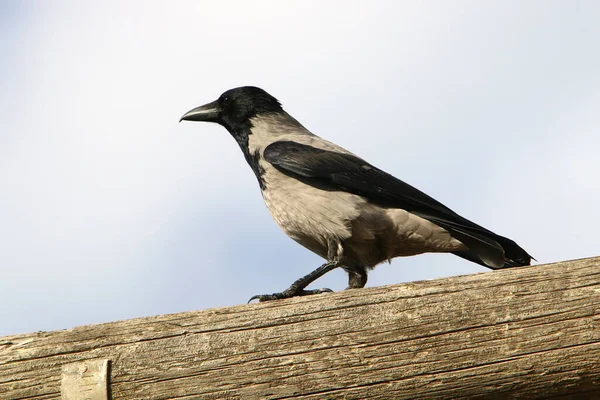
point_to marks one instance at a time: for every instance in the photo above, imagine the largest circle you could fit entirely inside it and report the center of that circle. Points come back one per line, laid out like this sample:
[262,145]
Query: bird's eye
[225,100]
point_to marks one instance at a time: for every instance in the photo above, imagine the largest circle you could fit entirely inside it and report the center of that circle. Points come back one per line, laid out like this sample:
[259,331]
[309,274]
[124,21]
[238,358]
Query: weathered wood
[522,333]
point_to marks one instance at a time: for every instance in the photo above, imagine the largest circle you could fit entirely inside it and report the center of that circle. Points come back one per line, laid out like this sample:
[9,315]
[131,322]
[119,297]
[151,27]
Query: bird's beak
[209,112]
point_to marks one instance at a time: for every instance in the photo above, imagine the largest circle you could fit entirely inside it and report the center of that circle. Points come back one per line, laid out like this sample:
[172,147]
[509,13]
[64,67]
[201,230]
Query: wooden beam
[529,333]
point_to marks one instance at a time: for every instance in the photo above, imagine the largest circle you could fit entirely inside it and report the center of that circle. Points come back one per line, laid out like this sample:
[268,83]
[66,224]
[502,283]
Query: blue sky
[110,209]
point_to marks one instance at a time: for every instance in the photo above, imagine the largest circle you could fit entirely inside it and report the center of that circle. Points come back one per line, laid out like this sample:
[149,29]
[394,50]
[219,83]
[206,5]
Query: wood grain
[524,333]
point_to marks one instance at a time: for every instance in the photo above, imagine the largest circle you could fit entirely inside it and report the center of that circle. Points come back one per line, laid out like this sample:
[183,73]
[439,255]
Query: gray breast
[313,217]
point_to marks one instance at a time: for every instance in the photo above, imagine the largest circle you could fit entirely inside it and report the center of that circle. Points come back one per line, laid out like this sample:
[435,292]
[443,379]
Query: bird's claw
[286,294]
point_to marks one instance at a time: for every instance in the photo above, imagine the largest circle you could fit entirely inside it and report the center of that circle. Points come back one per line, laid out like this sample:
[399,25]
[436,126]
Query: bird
[339,206]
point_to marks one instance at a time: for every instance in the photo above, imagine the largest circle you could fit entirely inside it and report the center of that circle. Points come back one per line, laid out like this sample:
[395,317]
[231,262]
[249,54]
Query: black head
[234,108]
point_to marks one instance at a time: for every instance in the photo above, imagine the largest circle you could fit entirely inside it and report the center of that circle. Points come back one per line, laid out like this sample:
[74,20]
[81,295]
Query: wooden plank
[525,333]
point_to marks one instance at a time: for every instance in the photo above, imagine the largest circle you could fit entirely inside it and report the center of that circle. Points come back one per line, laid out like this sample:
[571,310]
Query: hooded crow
[339,206]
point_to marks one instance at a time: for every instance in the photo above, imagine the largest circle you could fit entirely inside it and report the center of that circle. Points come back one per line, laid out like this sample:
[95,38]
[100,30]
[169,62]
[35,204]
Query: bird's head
[234,108]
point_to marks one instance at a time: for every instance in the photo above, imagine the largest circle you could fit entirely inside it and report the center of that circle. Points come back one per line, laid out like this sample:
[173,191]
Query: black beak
[209,112]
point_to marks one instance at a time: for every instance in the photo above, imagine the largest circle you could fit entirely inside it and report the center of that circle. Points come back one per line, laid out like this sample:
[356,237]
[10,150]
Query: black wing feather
[340,171]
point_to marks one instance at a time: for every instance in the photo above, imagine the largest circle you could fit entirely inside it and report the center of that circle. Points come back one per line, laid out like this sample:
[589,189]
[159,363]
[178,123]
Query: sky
[110,209]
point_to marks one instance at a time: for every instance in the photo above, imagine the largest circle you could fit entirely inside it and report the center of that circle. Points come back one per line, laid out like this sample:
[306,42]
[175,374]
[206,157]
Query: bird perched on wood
[339,206]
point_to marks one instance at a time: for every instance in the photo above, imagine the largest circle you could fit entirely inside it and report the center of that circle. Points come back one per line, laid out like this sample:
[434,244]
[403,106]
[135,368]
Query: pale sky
[110,209]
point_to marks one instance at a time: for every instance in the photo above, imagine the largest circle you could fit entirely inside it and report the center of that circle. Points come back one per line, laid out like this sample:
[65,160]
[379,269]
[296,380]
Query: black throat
[241,134]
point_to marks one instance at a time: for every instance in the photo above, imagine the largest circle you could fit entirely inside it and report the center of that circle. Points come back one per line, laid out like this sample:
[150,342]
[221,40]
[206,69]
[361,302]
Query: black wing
[338,171]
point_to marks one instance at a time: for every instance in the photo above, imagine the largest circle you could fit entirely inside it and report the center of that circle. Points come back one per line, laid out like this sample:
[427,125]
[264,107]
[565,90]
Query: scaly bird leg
[297,288]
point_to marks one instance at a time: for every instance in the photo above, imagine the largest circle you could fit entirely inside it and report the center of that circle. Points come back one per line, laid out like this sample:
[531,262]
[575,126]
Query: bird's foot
[288,293]
[297,288]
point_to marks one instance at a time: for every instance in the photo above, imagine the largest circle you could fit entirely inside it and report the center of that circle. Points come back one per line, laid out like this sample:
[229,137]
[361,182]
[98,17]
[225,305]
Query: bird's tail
[514,255]
[484,246]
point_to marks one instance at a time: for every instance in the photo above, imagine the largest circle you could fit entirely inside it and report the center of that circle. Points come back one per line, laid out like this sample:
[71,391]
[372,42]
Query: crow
[339,206]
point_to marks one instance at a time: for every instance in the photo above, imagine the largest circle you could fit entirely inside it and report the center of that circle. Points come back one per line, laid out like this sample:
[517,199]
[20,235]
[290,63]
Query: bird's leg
[357,278]
[297,288]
